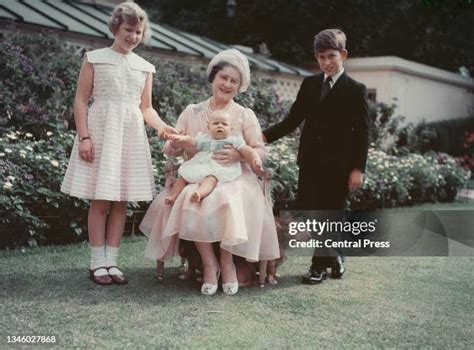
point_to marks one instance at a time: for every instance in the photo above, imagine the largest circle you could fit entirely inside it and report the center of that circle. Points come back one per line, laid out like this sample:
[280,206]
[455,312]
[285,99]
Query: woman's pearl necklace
[209,108]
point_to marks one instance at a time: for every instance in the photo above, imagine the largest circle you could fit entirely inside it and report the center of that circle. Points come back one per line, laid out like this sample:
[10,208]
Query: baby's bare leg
[176,190]
[205,188]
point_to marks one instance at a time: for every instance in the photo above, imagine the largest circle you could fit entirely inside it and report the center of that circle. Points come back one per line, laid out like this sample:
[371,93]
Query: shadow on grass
[74,285]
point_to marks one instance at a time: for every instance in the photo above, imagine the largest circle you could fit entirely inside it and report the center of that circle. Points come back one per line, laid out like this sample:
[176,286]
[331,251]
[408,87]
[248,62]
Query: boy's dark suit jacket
[334,139]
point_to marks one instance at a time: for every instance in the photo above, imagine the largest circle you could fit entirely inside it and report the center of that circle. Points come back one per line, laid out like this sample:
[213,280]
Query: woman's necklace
[210,108]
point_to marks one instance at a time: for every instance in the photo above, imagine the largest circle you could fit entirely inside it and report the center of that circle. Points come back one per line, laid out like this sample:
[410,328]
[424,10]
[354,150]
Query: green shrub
[37,84]
[32,171]
[455,137]
[409,179]
[282,162]
[38,81]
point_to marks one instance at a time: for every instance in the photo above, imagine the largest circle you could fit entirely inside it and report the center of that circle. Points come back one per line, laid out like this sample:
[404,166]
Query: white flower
[29,148]
[2,154]
[49,133]
[8,150]
[11,178]
[23,155]
[55,163]
[28,134]
[7,185]
[11,136]
[38,157]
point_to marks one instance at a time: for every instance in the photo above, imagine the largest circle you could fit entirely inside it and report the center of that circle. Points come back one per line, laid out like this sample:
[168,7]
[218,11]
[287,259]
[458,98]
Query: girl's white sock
[98,260]
[111,257]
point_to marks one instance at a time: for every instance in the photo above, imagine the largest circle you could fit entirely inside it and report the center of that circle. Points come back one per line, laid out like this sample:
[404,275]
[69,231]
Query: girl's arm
[149,113]
[171,148]
[182,141]
[81,101]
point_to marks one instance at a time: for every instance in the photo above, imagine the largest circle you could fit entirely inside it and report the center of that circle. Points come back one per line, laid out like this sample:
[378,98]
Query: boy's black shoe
[314,277]
[337,268]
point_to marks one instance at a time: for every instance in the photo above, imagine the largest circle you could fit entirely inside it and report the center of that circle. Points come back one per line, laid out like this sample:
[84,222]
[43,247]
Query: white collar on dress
[109,56]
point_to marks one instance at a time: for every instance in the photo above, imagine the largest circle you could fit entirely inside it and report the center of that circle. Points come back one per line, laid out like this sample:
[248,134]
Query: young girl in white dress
[110,162]
[202,169]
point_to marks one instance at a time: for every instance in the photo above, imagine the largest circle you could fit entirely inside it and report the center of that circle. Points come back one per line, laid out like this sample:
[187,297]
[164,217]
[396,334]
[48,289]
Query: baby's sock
[111,257]
[98,260]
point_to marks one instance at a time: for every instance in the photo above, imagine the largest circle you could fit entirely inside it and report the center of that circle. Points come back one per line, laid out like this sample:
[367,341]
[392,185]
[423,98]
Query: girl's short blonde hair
[130,13]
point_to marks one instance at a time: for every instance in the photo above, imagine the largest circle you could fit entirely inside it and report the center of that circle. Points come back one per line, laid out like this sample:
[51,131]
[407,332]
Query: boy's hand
[356,178]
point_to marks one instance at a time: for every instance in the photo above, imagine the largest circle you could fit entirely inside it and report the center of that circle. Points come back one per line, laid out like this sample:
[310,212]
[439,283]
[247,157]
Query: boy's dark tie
[325,88]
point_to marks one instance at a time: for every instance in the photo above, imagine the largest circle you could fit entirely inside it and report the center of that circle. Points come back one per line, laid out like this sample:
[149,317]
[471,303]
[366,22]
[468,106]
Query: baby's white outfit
[202,164]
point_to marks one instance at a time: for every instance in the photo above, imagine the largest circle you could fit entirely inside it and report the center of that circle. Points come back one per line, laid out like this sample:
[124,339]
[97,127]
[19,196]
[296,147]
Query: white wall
[422,91]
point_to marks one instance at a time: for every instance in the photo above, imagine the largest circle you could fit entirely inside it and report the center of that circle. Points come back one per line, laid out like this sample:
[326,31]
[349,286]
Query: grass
[460,204]
[381,302]
[470,184]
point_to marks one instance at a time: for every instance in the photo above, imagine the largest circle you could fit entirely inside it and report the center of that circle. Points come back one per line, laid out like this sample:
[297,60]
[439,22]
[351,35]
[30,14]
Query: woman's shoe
[230,288]
[210,288]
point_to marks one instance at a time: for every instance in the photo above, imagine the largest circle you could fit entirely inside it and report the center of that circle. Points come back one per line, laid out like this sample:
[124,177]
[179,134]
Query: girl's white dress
[122,168]
[202,164]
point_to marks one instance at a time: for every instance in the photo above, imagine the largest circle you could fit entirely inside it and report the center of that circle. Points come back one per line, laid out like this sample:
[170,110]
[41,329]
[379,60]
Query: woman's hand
[87,150]
[227,156]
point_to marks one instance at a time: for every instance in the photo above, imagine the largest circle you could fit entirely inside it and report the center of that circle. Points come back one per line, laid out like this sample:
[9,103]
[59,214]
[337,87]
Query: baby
[202,168]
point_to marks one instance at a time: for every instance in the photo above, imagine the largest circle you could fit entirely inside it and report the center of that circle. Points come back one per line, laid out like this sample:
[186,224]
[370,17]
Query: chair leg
[262,272]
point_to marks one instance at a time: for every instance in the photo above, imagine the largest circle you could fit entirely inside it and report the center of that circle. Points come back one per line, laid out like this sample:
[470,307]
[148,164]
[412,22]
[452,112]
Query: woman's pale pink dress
[236,213]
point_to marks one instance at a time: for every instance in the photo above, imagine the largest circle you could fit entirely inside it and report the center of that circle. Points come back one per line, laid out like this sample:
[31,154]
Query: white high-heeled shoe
[210,288]
[230,288]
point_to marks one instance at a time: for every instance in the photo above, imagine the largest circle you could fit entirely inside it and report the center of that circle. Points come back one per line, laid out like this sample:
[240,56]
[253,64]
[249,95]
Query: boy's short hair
[334,39]
[130,13]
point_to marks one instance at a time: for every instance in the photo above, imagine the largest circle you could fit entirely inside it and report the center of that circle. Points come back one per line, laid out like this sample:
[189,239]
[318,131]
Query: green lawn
[460,204]
[381,302]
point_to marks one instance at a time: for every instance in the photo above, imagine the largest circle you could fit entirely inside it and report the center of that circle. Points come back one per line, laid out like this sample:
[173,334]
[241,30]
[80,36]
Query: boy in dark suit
[334,141]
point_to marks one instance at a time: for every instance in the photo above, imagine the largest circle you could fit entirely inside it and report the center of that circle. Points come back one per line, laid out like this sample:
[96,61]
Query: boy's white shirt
[334,77]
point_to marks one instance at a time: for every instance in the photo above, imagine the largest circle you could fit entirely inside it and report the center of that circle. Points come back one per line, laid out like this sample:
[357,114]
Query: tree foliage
[434,32]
